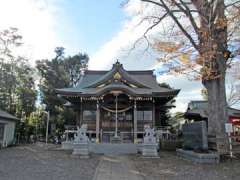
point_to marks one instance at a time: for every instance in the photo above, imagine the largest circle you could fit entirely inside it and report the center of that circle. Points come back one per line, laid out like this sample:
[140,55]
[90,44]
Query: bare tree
[205,30]
[233,86]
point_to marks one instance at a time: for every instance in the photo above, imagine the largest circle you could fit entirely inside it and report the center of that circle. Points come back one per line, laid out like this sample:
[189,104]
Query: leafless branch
[147,18]
[234,96]
[180,25]
[144,36]
[187,12]
[233,4]
[153,2]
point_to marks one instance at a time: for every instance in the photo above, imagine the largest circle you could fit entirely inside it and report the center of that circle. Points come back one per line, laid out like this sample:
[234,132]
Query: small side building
[7,128]
[198,111]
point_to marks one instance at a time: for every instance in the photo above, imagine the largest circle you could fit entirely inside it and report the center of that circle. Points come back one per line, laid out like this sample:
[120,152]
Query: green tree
[17,88]
[165,114]
[177,120]
[60,72]
[74,65]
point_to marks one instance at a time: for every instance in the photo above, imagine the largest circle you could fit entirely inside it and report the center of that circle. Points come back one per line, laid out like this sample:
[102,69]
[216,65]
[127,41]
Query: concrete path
[116,168]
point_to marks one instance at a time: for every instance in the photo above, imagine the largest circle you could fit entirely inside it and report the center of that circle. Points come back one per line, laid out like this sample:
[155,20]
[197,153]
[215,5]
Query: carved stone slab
[195,136]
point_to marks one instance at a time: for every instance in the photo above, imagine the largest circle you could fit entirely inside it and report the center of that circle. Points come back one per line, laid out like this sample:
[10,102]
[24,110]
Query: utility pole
[48,117]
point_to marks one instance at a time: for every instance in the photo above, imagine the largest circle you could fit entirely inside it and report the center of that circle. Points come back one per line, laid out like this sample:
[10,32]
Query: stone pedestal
[67,145]
[81,142]
[204,158]
[81,149]
[195,144]
[150,145]
[150,150]
[116,140]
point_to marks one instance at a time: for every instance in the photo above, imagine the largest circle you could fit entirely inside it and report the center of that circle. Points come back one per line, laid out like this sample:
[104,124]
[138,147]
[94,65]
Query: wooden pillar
[97,122]
[81,114]
[135,122]
[153,114]
[77,111]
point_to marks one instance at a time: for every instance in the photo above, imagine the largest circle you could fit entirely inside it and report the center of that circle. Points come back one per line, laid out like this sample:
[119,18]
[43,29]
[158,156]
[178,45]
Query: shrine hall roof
[133,82]
[5,115]
[200,108]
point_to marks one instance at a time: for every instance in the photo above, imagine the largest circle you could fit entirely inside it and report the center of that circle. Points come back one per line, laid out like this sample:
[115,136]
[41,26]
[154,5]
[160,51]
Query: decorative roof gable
[117,74]
[135,83]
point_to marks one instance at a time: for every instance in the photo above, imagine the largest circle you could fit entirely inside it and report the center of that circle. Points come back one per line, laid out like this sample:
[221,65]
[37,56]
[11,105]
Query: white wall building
[7,128]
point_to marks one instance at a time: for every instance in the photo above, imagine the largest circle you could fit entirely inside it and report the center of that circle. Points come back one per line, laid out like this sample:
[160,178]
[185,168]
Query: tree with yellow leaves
[201,38]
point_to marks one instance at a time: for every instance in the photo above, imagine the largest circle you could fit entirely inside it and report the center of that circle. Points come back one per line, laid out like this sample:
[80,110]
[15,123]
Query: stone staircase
[113,149]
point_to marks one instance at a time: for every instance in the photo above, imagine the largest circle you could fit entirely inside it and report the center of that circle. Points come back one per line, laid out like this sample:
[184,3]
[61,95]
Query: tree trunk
[213,44]
[217,112]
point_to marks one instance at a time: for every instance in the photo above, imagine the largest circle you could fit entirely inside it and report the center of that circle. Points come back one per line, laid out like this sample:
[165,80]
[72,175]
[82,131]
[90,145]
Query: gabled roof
[136,83]
[116,70]
[200,108]
[7,116]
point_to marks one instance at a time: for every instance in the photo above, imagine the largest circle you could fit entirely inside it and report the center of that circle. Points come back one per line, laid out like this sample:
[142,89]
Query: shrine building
[118,103]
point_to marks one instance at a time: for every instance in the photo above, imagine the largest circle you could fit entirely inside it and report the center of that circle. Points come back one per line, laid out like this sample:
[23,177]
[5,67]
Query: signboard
[228,128]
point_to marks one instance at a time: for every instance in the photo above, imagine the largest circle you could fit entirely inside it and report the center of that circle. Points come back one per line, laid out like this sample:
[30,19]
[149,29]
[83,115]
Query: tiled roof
[201,108]
[6,115]
[144,81]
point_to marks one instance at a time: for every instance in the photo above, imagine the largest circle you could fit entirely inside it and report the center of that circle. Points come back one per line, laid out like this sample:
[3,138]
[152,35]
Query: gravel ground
[33,162]
[171,167]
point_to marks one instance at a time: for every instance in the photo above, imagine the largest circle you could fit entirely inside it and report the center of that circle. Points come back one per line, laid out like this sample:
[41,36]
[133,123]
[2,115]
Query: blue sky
[89,23]
[101,28]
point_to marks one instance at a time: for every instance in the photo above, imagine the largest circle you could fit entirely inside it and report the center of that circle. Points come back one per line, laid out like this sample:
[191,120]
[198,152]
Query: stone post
[97,122]
[135,122]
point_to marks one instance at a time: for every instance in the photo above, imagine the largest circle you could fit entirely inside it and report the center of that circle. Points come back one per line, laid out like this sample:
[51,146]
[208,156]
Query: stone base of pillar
[150,150]
[67,145]
[81,149]
[115,140]
[150,145]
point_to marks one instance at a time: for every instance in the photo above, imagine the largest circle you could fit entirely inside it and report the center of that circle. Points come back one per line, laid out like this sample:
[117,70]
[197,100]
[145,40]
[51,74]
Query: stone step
[113,149]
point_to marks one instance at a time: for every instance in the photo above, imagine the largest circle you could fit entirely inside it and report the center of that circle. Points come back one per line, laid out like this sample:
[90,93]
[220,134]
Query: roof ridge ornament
[117,63]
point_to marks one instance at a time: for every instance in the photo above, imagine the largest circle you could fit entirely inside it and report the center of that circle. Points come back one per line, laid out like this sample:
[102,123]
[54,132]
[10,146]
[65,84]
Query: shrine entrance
[116,118]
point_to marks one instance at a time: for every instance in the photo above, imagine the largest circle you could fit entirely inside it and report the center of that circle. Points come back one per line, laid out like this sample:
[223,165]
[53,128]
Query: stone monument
[81,142]
[195,136]
[150,145]
[195,144]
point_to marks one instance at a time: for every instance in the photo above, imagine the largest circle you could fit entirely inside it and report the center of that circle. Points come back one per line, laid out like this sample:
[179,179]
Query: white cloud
[190,90]
[36,23]
[119,46]
[109,52]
